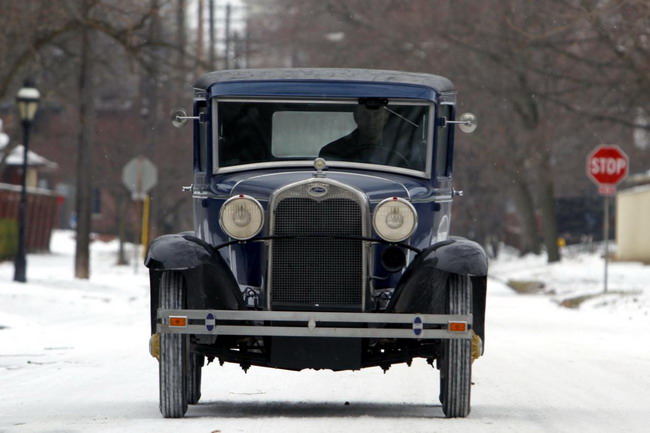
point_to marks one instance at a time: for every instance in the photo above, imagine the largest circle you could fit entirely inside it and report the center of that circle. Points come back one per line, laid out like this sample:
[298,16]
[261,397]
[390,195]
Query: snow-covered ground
[580,276]
[74,357]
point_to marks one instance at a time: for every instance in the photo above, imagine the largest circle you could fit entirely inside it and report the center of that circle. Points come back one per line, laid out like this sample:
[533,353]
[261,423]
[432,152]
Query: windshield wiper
[401,117]
[375,103]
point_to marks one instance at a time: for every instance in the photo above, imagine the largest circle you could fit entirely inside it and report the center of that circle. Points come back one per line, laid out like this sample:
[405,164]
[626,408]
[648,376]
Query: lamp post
[27,101]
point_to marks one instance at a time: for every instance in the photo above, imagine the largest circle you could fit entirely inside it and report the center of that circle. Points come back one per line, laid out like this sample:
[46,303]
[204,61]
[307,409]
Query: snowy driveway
[74,358]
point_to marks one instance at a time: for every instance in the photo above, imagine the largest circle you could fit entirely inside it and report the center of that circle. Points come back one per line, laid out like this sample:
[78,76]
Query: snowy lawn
[74,358]
[580,276]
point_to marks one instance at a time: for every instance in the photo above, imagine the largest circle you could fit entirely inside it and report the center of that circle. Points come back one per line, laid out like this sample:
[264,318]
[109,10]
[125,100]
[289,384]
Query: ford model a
[322,204]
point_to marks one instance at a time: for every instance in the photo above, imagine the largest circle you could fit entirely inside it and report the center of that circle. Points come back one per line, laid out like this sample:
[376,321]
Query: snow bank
[581,275]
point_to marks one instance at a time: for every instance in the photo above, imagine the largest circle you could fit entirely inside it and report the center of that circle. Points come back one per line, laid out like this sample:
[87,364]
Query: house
[37,166]
[632,219]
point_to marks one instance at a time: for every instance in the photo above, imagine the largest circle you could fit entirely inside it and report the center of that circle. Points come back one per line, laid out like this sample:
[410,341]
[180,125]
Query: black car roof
[436,82]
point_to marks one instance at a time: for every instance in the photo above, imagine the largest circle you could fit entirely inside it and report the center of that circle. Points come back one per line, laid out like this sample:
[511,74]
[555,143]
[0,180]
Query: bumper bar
[314,324]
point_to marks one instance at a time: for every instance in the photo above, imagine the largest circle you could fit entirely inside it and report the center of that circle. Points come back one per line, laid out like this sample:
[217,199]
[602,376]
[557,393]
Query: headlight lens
[395,219]
[241,217]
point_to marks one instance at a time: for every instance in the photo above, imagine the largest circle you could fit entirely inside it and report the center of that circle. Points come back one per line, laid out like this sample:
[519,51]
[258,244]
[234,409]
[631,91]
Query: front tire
[173,351]
[194,378]
[456,362]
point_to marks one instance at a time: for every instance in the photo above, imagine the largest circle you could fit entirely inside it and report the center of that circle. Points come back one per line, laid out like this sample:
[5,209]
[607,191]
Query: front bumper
[314,324]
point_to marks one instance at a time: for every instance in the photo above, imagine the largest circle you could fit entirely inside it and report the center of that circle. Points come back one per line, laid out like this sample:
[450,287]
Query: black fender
[422,287]
[457,255]
[209,282]
[178,253]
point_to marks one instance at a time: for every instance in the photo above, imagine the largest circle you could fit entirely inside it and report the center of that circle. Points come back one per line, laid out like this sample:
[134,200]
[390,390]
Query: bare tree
[486,57]
[85,32]
[531,70]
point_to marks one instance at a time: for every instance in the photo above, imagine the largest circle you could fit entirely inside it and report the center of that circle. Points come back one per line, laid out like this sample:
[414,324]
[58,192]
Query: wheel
[194,378]
[173,351]
[456,362]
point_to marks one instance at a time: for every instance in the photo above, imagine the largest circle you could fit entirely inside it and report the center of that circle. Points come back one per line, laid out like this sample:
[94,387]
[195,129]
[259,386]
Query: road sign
[607,165]
[139,175]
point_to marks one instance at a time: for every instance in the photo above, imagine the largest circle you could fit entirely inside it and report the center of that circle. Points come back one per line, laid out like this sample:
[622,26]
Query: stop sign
[139,175]
[607,165]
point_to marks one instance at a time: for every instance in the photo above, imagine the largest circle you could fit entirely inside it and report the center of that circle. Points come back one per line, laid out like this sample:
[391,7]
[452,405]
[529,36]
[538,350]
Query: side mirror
[179,117]
[468,122]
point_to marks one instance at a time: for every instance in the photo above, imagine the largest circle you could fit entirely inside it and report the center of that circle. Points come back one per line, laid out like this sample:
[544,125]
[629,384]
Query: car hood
[376,187]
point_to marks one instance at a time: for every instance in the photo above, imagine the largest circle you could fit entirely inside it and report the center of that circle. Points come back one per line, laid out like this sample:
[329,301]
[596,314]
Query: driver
[370,127]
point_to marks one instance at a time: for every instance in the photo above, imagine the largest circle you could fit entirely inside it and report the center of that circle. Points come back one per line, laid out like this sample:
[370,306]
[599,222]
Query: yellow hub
[477,346]
[154,346]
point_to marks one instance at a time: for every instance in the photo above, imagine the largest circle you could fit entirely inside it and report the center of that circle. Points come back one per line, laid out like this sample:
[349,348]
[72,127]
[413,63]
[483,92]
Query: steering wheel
[370,151]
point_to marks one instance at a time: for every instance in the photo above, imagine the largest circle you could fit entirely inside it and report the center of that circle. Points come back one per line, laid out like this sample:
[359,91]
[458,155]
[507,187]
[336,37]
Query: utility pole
[247,46]
[236,45]
[213,42]
[228,40]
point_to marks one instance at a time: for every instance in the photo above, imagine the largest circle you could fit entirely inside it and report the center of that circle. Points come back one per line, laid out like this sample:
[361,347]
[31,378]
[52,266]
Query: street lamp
[27,101]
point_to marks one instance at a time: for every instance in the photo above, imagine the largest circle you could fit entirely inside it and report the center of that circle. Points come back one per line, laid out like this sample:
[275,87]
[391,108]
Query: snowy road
[74,358]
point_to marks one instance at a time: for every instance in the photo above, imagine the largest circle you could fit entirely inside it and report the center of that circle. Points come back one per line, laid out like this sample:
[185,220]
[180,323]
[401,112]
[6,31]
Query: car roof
[435,82]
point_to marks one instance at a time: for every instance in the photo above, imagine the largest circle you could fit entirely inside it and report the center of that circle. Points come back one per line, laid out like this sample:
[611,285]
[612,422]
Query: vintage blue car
[322,204]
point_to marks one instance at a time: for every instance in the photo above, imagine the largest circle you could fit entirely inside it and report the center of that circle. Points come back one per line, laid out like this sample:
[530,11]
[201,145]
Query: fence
[41,217]
[8,239]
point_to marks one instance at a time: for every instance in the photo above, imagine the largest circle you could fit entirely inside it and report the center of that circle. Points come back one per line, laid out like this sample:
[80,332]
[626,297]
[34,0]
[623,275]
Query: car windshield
[368,131]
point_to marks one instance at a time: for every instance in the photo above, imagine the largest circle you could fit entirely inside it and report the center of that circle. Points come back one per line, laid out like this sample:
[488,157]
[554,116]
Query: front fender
[429,270]
[457,256]
[423,286]
[178,253]
[209,282]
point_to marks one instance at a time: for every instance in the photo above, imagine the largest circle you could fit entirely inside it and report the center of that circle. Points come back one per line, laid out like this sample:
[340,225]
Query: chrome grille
[314,270]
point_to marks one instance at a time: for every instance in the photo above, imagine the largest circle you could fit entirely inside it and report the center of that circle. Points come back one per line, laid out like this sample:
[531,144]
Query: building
[633,219]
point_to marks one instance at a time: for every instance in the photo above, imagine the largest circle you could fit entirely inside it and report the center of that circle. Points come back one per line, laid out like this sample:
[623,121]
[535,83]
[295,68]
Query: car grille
[317,271]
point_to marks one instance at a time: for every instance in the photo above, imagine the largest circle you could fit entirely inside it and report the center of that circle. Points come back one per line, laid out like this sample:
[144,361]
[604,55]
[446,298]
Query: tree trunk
[527,219]
[198,67]
[181,41]
[151,82]
[547,208]
[84,157]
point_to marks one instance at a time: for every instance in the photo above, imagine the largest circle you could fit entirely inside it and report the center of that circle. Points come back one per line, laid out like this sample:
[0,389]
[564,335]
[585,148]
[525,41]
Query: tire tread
[457,368]
[173,352]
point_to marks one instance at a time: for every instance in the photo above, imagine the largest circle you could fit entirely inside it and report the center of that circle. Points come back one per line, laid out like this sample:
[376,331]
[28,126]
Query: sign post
[140,175]
[607,166]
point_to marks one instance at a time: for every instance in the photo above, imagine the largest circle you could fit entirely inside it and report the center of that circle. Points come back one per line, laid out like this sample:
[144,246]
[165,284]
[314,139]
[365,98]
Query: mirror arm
[467,122]
[200,117]
[444,122]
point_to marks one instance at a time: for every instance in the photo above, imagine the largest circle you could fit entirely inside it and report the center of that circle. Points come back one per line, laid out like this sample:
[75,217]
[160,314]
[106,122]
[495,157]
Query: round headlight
[241,217]
[395,219]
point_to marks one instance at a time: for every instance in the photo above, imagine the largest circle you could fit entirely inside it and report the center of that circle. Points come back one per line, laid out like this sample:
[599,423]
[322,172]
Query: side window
[202,138]
[442,144]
